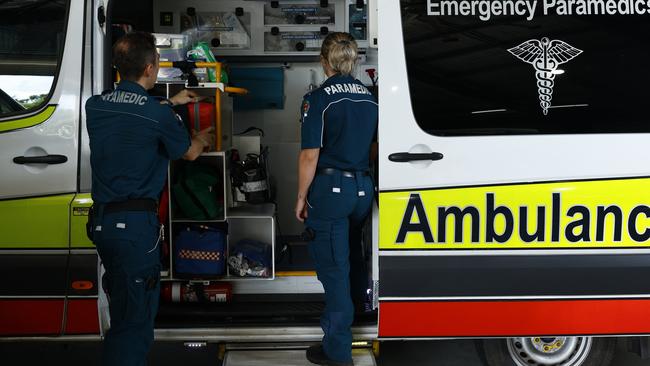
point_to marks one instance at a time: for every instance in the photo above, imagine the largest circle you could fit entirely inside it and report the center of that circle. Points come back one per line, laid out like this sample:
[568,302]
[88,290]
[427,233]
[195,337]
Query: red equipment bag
[201,115]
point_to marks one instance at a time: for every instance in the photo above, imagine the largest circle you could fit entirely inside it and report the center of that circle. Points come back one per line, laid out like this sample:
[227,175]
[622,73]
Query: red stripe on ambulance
[513,318]
[31,317]
[82,317]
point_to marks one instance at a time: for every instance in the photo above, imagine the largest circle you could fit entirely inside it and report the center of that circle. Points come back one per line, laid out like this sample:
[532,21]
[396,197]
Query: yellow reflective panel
[583,214]
[35,222]
[78,219]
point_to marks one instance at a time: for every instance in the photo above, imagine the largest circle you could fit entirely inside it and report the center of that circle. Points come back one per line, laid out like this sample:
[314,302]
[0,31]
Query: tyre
[547,351]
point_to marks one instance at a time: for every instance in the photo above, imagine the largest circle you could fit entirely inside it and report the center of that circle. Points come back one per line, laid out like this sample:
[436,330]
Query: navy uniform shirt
[132,139]
[340,118]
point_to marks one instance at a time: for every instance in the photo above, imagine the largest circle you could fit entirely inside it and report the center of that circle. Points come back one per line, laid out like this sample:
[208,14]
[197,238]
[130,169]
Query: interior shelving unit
[255,222]
[252,222]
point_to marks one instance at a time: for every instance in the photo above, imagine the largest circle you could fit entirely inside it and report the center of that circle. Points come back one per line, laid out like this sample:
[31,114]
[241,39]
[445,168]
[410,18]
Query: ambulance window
[528,67]
[32,33]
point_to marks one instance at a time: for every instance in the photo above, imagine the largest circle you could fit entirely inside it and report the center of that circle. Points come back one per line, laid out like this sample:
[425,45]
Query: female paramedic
[335,191]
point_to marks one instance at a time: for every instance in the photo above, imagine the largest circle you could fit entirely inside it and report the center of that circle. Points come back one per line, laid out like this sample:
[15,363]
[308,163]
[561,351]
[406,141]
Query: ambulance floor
[396,353]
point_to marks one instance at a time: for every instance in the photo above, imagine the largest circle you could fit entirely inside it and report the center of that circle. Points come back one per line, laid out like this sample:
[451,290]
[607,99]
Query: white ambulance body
[512,173]
[525,212]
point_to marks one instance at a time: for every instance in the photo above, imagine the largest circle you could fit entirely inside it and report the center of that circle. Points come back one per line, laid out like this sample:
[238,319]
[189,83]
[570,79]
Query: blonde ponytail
[340,50]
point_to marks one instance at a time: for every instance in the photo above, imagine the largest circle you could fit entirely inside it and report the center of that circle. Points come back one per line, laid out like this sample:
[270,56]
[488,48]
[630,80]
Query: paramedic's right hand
[200,141]
[185,96]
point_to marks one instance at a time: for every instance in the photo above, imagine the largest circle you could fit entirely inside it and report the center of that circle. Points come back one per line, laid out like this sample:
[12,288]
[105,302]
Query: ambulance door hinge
[101,16]
[375,294]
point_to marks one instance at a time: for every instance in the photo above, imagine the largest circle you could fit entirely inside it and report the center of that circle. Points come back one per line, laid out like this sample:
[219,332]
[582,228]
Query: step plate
[361,357]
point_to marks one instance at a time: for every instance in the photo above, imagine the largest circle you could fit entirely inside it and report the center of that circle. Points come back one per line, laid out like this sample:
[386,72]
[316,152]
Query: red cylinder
[193,293]
[201,115]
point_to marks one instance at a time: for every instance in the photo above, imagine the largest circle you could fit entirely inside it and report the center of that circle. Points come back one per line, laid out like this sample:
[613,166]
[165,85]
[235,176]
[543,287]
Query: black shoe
[316,354]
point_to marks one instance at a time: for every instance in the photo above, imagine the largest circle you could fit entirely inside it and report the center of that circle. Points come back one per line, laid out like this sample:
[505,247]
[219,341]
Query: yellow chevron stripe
[30,121]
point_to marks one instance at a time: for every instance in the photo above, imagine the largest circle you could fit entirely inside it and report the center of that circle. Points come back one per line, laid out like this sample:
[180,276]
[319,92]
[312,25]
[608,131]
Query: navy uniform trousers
[129,246]
[332,216]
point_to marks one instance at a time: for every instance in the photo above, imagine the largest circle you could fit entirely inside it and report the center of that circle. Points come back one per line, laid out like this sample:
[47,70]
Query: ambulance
[512,177]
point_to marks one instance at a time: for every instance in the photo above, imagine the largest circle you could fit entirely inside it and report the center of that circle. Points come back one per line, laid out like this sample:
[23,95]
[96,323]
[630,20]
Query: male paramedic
[133,136]
[335,191]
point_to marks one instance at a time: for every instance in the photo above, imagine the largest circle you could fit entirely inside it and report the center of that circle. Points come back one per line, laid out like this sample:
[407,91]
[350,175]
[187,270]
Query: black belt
[146,204]
[344,173]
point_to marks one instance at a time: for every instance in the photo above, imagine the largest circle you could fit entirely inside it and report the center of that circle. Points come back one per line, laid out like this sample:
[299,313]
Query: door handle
[47,159]
[405,157]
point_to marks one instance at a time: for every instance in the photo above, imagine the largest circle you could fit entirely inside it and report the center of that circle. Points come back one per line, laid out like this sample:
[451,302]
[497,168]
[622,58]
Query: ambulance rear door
[40,82]
[514,171]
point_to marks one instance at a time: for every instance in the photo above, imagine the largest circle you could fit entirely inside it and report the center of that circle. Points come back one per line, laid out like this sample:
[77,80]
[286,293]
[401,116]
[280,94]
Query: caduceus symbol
[545,55]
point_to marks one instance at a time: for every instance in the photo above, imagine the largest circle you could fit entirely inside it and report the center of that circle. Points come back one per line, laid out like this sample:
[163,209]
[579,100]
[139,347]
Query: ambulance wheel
[547,351]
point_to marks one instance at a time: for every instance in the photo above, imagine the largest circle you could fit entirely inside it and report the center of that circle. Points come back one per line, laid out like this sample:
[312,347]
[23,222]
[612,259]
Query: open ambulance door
[40,80]
[514,173]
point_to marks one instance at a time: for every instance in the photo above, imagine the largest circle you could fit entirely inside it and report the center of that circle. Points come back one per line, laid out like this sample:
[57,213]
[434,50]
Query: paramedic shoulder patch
[305,110]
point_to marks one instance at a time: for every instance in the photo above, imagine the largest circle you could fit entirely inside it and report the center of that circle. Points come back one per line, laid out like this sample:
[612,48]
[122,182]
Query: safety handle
[197,117]
[47,159]
[405,157]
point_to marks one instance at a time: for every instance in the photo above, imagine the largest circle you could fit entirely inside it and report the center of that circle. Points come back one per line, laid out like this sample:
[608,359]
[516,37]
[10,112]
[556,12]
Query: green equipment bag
[196,192]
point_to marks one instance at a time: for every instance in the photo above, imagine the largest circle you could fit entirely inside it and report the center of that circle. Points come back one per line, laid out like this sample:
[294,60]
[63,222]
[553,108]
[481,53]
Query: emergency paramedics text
[486,9]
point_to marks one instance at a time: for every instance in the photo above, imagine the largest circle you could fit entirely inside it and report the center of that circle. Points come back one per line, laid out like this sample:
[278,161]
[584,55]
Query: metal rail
[217,66]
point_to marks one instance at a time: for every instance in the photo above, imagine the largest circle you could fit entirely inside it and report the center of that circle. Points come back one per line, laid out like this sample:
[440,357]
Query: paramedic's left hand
[206,137]
[184,97]
[301,209]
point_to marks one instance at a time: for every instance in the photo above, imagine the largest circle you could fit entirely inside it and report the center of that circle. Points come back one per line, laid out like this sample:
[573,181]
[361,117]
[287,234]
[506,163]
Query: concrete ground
[420,353]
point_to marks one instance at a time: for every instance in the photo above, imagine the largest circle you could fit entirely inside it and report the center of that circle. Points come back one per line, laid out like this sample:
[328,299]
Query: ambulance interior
[269,55]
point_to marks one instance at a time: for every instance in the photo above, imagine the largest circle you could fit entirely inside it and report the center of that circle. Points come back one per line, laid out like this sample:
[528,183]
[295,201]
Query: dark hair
[132,53]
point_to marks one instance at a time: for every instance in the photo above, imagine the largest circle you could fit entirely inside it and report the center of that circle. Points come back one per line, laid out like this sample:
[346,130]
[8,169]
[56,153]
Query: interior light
[195,345]
[360,344]
[557,72]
